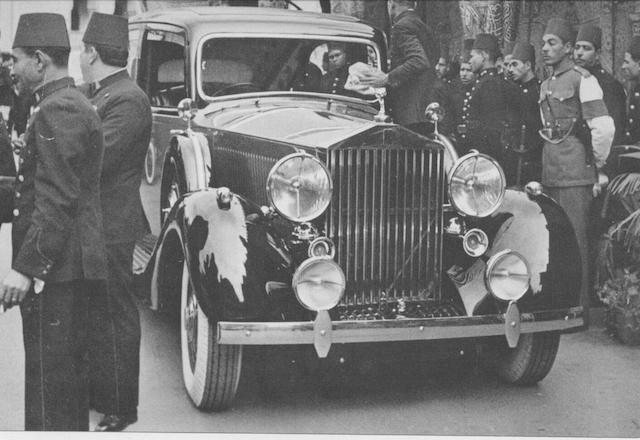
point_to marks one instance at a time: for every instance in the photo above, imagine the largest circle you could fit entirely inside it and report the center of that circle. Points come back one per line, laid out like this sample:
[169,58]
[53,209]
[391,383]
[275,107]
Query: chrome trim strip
[289,333]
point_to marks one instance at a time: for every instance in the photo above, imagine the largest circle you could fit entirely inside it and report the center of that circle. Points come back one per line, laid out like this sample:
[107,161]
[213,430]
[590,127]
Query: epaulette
[582,71]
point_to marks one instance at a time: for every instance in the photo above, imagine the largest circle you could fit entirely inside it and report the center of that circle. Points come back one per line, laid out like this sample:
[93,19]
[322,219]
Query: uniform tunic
[447,93]
[632,123]
[568,173]
[58,238]
[529,117]
[115,323]
[491,117]
[333,82]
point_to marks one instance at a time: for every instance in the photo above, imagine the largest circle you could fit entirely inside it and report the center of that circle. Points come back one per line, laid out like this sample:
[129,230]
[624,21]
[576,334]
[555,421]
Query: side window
[162,67]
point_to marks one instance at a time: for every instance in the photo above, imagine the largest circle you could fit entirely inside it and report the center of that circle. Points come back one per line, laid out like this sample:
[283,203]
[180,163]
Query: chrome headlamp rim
[300,272]
[458,164]
[490,266]
[275,168]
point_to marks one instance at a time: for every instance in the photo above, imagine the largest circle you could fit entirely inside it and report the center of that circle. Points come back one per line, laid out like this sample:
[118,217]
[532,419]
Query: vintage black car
[285,215]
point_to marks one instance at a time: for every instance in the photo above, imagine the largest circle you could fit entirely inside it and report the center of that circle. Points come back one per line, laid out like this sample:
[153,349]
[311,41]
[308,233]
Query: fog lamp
[507,275]
[475,242]
[319,283]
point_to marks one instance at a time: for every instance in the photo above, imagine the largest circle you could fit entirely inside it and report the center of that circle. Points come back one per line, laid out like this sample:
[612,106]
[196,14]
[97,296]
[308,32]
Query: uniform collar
[110,79]
[51,87]
[564,67]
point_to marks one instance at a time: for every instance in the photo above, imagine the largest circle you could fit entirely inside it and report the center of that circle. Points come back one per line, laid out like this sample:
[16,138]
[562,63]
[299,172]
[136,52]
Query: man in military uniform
[587,54]
[491,112]
[58,239]
[577,134]
[126,124]
[446,91]
[631,70]
[527,154]
[413,54]
[333,81]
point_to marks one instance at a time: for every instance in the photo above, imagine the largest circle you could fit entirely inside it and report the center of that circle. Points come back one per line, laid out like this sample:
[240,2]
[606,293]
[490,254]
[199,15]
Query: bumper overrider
[323,332]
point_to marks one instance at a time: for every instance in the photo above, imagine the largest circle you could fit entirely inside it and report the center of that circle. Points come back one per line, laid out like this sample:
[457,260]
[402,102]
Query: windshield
[244,65]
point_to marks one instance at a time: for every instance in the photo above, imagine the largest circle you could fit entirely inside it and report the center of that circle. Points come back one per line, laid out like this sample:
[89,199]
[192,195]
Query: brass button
[18,195]
[16,212]
[21,178]
[632,106]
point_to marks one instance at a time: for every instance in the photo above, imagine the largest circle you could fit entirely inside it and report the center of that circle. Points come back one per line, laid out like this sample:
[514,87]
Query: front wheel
[211,372]
[530,361]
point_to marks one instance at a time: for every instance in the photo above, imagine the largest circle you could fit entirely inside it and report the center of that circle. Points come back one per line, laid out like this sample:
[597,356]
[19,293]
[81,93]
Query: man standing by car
[577,134]
[587,54]
[520,68]
[631,70]
[57,236]
[491,114]
[126,121]
[413,53]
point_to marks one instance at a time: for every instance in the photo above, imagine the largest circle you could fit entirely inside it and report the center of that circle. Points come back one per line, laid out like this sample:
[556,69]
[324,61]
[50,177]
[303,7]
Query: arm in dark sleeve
[120,127]
[414,56]
[7,175]
[61,140]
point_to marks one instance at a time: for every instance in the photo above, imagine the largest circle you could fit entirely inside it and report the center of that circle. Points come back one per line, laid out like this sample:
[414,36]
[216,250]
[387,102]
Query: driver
[338,70]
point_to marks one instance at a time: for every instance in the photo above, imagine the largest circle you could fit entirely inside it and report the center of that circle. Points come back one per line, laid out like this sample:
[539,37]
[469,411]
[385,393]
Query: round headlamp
[476,185]
[507,275]
[319,283]
[299,187]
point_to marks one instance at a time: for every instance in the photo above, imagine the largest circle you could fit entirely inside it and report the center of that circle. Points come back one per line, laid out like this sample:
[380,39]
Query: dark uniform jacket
[412,54]
[531,161]
[7,174]
[447,93]
[491,115]
[57,227]
[614,99]
[333,82]
[632,123]
[126,125]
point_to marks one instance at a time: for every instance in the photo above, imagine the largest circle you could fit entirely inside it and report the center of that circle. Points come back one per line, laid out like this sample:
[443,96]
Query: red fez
[560,28]
[107,30]
[524,52]
[465,56]
[634,48]
[508,47]
[488,43]
[41,30]
[590,33]
[468,44]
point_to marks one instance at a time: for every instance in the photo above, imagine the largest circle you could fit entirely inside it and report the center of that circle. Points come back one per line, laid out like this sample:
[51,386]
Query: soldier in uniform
[467,81]
[527,156]
[126,124]
[587,54]
[631,70]
[57,236]
[491,112]
[446,92]
[333,81]
[577,133]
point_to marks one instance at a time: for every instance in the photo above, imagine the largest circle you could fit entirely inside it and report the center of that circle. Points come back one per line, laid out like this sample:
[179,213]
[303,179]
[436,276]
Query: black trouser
[114,349]
[54,324]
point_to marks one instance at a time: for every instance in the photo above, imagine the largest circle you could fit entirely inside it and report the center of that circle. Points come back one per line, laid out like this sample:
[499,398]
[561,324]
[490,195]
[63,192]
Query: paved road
[592,390]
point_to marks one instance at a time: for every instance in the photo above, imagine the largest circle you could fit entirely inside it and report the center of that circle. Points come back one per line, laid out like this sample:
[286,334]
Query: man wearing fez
[587,54]
[490,114]
[527,155]
[631,70]
[577,135]
[126,124]
[57,237]
[413,56]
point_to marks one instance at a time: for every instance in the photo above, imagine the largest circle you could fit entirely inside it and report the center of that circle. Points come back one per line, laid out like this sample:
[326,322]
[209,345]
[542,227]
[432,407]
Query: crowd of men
[76,212]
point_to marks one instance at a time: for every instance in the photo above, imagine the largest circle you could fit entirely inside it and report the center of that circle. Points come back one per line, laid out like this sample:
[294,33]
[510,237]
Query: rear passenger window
[162,67]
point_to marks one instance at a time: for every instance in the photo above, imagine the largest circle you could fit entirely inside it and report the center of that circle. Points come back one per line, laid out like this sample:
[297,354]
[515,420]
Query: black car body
[293,217]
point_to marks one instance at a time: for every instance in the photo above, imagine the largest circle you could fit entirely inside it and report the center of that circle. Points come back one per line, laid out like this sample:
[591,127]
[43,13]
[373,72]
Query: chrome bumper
[323,332]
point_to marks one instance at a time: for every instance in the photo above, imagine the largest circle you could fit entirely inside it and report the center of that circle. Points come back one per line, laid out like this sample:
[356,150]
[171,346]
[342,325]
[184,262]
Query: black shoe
[116,422]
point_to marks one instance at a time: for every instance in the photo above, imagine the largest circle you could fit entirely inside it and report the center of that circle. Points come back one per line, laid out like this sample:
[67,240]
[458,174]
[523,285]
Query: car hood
[317,123]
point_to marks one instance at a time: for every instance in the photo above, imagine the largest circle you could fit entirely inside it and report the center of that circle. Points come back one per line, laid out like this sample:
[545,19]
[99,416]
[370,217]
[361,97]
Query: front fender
[229,255]
[193,150]
[537,228]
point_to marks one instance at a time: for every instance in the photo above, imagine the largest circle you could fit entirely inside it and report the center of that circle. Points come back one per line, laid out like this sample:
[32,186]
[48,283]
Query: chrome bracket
[512,324]
[322,333]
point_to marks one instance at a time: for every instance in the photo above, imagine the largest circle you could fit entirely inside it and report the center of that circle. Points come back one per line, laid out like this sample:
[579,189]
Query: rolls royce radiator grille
[386,218]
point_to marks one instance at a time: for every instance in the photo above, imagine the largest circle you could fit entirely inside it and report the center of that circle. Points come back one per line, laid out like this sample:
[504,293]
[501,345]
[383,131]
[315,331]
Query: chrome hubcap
[191,326]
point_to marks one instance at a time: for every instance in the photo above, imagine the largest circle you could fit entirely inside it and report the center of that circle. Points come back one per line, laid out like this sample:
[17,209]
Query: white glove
[602,182]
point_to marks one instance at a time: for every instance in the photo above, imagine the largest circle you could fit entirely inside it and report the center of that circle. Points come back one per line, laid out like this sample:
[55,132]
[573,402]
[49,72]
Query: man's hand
[375,78]
[602,182]
[14,288]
